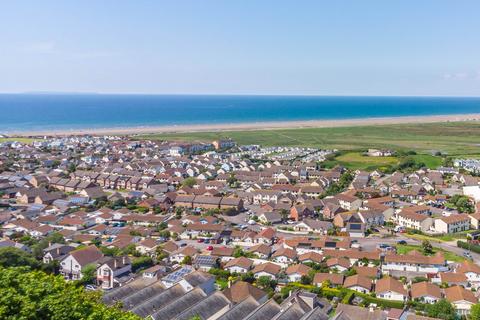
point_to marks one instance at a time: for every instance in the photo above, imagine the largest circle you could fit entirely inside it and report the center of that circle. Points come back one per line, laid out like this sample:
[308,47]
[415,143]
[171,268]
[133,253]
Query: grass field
[356,160]
[450,256]
[454,138]
[23,140]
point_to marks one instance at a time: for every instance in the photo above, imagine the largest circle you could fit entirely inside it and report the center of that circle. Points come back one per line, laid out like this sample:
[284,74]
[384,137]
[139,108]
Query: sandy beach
[253,126]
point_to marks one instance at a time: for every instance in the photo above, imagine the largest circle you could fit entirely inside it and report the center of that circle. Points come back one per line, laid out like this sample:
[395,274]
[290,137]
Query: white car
[251,222]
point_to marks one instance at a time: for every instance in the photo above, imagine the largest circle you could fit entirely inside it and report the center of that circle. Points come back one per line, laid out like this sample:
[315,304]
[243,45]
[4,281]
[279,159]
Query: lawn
[450,256]
[22,140]
[356,160]
[447,137]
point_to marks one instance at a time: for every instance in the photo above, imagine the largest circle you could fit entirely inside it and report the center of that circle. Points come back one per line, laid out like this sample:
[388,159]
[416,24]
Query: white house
[453,223]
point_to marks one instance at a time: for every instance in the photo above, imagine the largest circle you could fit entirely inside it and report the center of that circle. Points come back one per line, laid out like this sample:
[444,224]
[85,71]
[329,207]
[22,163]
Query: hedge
[468,246]
[347,295]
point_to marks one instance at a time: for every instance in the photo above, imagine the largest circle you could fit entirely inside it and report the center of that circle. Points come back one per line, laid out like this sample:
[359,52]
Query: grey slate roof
[143,295]
[185,301]
[122,292]
[206,308]
[241,310]
[159,301]
[267,311]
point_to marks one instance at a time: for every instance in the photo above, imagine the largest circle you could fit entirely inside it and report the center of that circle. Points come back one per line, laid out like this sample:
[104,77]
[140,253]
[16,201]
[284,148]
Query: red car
[210,248]
[200,240]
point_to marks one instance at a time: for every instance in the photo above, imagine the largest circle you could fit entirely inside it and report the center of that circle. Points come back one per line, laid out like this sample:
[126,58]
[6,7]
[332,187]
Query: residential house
[390,289]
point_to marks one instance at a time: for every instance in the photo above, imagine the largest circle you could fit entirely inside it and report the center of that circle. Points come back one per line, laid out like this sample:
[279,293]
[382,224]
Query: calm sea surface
[30,112]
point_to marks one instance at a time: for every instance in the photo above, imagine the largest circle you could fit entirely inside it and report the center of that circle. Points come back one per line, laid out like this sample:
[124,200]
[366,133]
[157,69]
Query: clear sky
[356,47]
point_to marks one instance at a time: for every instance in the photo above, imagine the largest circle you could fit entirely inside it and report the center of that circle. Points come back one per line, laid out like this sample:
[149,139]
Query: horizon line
[233,94]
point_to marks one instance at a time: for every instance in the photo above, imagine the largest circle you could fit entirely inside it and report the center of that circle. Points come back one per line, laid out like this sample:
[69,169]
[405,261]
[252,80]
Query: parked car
[200,240]
[402,242]
[210,248]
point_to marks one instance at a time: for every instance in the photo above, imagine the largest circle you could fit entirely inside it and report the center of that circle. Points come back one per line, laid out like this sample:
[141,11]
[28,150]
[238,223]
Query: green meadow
[454,139]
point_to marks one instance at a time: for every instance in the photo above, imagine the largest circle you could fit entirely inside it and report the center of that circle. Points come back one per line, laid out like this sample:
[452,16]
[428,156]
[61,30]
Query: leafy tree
[305,279]
[441,310]
[189,182]
[187,260]
[88,274]
[14,257]
[35,295]
[284,213]
[112,252]
[427,247]
[248,277]
[232,181]
[141,263]
[475,312]
[266,283]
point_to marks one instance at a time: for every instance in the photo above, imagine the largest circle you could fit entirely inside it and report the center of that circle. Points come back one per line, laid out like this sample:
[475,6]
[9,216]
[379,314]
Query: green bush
[465,245]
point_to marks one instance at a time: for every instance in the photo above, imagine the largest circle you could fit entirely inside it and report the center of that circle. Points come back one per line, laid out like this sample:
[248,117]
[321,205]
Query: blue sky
[242,47]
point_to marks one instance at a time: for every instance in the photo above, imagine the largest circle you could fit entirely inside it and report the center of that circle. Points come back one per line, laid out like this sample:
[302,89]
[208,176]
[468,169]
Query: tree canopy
[441,310]
[35,295]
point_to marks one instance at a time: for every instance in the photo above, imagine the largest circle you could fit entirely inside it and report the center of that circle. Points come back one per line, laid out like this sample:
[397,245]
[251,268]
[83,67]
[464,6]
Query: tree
[442,310]
[284,214]
[475,312]
[305,279]
[141,263]
[14,257]
[35,295]
[88,274]
[248,277]
[427,247]
[187,260]
[266,283]
[189,182]
[232,181]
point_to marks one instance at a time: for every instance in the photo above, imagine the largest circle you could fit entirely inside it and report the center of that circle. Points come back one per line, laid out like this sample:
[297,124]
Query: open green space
[453,138]
[450,256]
[19,139]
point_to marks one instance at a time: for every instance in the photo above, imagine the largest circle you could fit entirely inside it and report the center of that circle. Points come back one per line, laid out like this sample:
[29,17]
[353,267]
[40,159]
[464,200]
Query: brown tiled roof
[468,266]
[451,277]
[241,290]
[424,288]
[390,284]
[338,261]
[334,278]
[87,255]
[370,272]
[268,267]
[240,262]
[455,218]
[298,268]
[287,252]
[457,293]
[312,255]
[358,280]
[222,251]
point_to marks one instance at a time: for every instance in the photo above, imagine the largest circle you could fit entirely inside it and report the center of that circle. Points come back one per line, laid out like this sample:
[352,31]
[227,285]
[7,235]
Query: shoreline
[251,126]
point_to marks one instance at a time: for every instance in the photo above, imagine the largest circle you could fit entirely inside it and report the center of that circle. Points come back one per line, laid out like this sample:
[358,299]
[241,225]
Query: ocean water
[38,112]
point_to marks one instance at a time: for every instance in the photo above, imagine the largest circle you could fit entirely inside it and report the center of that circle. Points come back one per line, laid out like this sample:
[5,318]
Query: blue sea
[40,112]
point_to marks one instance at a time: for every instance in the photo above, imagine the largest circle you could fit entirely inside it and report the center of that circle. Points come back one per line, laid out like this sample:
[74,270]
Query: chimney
[115,263]
[229,283]
[124,260]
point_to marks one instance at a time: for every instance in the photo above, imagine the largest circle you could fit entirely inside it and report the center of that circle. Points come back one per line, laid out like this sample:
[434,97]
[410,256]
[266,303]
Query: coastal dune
[254,125]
